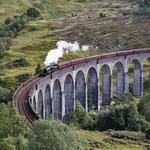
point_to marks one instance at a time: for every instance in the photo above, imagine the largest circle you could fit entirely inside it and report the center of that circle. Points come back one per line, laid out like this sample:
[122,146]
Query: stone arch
[57,99]
[69,93]
[34,103]
[92,89]
[48,102]
[80,88]
[120,78]
[106,84]
[137,78]
[40,104]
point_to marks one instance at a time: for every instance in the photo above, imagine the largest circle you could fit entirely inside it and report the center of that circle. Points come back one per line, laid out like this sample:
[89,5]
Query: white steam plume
[63,47]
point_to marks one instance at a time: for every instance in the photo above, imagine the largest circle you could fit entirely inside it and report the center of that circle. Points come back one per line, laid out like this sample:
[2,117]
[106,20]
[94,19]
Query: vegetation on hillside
[106,25]
[12,26]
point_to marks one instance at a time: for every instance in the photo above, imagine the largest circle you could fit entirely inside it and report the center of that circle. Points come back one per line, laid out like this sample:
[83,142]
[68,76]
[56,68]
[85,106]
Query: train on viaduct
[57,93]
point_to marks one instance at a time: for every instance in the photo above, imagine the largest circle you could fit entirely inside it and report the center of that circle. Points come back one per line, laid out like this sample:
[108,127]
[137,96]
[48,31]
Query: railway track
[22,102]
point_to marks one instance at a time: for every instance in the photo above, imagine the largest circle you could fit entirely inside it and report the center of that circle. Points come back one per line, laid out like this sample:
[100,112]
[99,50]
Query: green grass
[100,141]
[71,21]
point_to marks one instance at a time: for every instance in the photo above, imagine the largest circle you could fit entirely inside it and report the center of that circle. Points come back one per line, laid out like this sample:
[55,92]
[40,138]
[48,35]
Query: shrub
[22,62]
[102,14]
[2,49]
[147,133]
[23,77]
[33,13]
[38,70]
[144,107]
[103,121]
[10,123]
[4,94]
[123,98]
[132,118]
[54,135]
[79,118]
[119,117]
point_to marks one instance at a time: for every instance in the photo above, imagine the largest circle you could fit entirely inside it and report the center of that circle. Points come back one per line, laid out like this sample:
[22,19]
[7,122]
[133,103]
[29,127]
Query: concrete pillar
[40,108]
[48,102]
[74,97]
[111,86]
[99,97]
[69,94]
[86,96]
[63,104]
[126,83]
[120,80]
[142,81]
[137,81]
[57,100]
[106,85]
[92,89]
[80,88]
[43,107]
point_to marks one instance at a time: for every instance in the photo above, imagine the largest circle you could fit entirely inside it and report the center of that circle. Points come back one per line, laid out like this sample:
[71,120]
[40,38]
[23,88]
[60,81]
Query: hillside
[106,25]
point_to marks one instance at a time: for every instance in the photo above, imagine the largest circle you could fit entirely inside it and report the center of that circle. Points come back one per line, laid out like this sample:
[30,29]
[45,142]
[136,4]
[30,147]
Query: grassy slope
[85,26]
[99,141]
[73,22]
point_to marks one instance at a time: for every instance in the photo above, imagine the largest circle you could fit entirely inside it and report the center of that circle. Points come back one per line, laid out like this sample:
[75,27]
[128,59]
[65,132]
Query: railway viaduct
[56,93]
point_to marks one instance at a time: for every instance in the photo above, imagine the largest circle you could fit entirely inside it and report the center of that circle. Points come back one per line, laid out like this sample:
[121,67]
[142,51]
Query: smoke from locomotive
[63,47]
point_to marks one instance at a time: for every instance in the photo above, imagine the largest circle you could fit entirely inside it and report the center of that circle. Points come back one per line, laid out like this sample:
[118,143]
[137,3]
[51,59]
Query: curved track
[21,96]
[22,103]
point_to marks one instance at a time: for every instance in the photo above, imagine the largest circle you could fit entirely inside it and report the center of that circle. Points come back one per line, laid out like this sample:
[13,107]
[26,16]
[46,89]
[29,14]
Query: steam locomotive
[49,69]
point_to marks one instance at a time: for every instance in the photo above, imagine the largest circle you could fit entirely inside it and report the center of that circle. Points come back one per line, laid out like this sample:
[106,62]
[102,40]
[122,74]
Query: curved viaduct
[88,80]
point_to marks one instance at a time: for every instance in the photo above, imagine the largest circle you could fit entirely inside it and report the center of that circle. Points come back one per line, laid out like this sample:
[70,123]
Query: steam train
[48,70]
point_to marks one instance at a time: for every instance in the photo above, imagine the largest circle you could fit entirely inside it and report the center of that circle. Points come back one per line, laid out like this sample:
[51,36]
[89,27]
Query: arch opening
[135,78]
[57,99]
[80,88]
[105,85]
[48,102]
[69,94]
[118,79]
[40,104]
[92,89]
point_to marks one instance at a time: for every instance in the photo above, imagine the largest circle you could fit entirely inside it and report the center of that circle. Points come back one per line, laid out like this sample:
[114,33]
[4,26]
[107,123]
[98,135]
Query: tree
[38,69]
[144,107]
[33,13]
[52,135]
[79,117]
[10,123]
[4,94]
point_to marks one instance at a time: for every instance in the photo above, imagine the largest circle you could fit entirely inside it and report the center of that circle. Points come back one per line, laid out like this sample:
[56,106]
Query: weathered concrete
[57,99]
[137,82]
[92,89]
[56,94]
[48,102]
[106,84]
[120,79]
[80,88]
[69,94]
[40,104]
